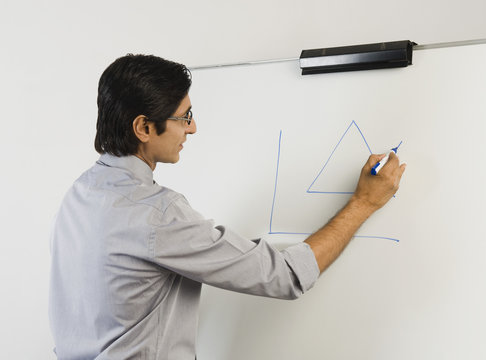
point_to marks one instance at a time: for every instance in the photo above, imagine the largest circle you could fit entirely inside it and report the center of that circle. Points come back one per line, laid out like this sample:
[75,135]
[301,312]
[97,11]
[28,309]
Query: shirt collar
[131,163]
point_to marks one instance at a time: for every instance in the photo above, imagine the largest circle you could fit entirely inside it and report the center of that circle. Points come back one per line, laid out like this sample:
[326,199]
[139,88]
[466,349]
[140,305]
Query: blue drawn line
[288,233]
[276,180]
[335,148]
[376,237]
[275,195]
[395,149]
[355,236]
[329,192]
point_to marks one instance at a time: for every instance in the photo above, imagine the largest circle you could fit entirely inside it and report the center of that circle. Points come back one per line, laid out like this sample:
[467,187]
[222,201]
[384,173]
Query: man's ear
[141,128]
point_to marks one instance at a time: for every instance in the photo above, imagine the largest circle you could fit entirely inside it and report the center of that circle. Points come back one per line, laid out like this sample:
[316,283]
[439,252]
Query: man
[129,255]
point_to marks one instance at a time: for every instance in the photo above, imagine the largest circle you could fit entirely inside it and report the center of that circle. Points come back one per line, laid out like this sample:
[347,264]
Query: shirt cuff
[302,261]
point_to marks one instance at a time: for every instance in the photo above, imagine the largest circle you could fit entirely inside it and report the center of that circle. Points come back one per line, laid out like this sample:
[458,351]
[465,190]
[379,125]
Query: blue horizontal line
[287,233]
[329,192]
[356,236]
[376,237]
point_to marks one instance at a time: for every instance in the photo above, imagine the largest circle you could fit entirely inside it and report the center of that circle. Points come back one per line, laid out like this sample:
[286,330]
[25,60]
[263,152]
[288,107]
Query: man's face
[166,146]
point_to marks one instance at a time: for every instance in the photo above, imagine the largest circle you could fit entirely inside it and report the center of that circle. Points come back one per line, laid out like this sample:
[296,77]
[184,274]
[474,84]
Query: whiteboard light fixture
[357,57]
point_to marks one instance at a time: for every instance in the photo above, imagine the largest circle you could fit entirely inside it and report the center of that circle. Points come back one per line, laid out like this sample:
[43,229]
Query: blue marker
[375,169]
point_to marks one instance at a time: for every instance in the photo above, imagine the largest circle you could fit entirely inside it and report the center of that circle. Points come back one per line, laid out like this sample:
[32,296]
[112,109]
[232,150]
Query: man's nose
[191,129]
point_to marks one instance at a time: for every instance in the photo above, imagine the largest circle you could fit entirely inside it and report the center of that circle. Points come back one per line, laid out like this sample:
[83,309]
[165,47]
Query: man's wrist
[362,206]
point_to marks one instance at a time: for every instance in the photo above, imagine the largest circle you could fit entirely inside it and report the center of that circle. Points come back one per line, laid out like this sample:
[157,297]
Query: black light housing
[357,57]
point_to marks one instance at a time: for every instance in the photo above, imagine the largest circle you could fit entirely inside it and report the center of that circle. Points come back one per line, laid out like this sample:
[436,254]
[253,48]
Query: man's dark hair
[136,85]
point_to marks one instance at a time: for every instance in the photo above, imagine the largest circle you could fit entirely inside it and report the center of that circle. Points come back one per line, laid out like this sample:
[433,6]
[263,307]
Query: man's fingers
[393,158]
[392,167]
[401,170]
[398,172]
[372,160]
[392,163]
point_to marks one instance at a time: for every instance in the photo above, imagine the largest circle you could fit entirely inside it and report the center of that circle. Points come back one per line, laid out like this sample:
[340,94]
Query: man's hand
[372,192]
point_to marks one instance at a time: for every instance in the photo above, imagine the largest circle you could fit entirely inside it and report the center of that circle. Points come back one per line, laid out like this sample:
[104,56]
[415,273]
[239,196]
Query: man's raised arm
[372,192]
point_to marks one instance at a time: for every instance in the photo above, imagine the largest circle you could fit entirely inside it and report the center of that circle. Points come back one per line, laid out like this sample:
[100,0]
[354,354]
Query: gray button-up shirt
[128,260]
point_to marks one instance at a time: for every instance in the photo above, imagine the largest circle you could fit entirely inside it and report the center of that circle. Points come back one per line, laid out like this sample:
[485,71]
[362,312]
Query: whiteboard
[277,154]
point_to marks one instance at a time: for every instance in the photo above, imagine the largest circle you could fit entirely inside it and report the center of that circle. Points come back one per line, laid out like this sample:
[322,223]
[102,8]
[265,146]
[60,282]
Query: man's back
[106,290]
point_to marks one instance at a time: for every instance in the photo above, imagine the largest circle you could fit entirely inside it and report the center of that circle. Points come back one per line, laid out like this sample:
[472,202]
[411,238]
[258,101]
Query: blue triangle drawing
[337,175]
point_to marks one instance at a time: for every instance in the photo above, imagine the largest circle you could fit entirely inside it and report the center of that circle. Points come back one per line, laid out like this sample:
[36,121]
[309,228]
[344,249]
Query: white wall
[53,53]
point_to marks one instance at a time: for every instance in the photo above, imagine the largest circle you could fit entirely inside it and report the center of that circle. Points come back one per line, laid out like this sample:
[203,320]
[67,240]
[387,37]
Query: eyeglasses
[187,118]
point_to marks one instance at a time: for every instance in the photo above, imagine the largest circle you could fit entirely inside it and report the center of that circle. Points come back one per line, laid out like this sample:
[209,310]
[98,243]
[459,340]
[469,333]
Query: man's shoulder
[159,197]
[126,189]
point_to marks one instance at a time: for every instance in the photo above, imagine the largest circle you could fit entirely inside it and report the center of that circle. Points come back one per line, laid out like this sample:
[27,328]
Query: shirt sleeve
[192,246]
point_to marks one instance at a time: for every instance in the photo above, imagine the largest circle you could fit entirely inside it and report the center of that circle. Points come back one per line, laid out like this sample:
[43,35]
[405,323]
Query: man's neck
[150,164]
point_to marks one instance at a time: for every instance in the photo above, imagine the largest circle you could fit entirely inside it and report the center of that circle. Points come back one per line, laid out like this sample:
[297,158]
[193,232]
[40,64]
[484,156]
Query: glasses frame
[187,118]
